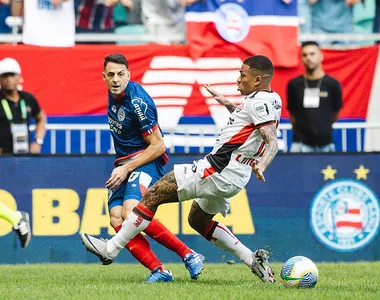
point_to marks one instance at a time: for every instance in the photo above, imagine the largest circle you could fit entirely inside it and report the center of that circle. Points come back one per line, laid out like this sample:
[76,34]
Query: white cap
[9,65]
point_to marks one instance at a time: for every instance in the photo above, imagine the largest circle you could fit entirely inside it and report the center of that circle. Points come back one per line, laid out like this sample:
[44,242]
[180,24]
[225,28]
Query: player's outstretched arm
[220,98]
[269,135]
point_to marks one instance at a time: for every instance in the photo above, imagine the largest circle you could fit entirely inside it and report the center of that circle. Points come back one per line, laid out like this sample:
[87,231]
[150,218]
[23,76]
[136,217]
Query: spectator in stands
[304,13]
[128,13]
[332,16]
[314,102]
[49,23]
[95,16]
[16,110]
[165,19]
[5,11]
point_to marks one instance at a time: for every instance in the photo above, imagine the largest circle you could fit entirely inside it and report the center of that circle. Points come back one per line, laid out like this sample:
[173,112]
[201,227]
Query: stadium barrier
[322,206]
[349,38]
[95,138]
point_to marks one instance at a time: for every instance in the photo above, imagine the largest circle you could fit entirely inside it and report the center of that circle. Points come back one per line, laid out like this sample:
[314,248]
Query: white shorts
[201,182]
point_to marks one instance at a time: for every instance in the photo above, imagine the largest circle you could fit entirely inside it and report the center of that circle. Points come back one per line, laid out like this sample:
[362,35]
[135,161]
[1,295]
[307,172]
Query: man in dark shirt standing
[314,102]
[16,110]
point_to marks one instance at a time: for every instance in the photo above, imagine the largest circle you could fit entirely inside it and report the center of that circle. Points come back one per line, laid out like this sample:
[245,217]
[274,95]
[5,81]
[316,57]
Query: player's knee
[126,212]
[196,224]
[115,221]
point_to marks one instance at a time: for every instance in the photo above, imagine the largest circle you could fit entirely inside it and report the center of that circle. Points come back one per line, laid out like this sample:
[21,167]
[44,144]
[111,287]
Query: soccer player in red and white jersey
[248,143]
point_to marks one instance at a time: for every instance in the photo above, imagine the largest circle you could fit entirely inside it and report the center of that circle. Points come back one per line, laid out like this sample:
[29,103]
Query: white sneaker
[97,247]
[23,229]
[260,266]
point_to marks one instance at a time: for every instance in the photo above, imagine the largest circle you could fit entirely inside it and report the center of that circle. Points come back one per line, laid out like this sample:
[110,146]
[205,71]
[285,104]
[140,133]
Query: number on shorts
[133,176]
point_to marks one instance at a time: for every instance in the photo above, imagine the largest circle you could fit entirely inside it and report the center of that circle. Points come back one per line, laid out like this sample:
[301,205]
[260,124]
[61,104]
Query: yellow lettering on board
[168,214]
[239,219]
[7,199]
[95,214]
[54,212]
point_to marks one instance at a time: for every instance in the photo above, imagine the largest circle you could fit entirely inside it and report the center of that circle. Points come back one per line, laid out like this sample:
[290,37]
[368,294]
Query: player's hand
[119,174]
[217,96]
[35,148]
[258,171]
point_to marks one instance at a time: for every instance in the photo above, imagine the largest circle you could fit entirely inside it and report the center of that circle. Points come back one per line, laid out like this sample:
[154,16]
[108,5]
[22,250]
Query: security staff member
[16,110]
[314,102]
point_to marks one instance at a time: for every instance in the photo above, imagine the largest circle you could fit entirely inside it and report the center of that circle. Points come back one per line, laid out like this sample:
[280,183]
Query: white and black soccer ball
[299,272]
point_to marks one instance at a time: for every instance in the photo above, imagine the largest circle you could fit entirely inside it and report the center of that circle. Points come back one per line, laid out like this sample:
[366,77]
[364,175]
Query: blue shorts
[135,186]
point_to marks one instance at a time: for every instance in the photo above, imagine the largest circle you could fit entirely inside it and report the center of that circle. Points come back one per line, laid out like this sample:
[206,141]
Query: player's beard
[8,91]
[310,70]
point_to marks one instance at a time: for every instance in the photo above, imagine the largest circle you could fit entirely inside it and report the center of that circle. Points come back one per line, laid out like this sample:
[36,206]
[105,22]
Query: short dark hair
[260,63]
[310,43]
[116,58]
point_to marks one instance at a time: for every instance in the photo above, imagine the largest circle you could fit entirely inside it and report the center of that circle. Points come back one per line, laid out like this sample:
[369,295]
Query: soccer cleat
[260,266]
[194,264]
[160,274]
[97,247]
[23,229]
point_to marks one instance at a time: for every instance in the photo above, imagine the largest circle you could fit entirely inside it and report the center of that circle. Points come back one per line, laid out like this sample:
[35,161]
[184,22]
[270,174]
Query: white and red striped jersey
[240,143]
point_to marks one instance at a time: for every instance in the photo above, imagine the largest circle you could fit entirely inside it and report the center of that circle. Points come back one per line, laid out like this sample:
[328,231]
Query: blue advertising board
[323,206]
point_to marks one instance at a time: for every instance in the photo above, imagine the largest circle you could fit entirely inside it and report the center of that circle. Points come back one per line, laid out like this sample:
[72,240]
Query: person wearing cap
[16,110]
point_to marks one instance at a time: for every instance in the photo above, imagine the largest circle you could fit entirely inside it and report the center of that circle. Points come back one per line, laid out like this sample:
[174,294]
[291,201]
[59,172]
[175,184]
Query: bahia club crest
[345,214]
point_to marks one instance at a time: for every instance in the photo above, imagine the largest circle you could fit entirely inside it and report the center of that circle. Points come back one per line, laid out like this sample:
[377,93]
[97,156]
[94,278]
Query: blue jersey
[131,117]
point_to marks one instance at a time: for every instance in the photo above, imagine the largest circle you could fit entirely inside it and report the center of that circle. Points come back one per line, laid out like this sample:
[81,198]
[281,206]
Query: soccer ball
[299,272]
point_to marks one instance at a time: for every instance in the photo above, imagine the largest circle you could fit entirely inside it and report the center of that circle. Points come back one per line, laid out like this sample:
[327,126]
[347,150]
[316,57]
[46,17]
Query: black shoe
[23,229]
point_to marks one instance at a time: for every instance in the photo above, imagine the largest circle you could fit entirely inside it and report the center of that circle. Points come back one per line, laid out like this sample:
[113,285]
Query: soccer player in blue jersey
[140,159]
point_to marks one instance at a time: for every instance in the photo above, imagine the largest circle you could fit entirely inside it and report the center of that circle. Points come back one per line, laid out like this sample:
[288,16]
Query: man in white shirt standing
[49,23]
[215,179]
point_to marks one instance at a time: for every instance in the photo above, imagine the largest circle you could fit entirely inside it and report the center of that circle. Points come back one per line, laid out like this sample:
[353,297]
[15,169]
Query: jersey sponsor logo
[245,160]
[261,109]
[114,125]
[121,114]
[140,108]
[232,22]
[345,215]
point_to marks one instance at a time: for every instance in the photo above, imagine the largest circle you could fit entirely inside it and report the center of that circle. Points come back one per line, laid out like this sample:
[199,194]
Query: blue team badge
[345,215]
[232,22]
[121,114]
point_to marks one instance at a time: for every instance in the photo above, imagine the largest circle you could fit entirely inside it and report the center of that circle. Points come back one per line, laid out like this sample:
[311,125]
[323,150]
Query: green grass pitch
[218,281]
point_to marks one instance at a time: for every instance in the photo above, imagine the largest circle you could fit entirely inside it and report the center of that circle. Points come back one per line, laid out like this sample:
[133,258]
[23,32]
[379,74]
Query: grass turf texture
[218,281]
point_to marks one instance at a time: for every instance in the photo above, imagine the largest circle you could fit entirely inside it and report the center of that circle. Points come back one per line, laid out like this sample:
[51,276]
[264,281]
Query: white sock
[223,238]
[131,227]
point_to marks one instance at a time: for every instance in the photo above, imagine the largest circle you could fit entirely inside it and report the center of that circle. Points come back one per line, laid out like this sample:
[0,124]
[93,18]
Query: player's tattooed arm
[163,191]
[220,98]
[269,135]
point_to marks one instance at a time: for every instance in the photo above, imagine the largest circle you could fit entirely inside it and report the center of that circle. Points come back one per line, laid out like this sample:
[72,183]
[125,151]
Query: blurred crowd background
[165,19]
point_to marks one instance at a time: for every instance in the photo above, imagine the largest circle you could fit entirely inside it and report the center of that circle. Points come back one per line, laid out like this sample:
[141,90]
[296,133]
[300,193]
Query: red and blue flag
[267,27]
